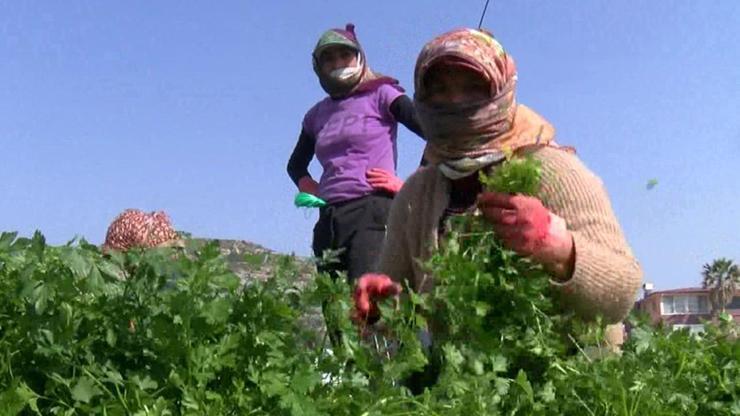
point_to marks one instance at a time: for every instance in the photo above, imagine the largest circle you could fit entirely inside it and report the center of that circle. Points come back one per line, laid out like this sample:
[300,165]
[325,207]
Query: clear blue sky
[195,109]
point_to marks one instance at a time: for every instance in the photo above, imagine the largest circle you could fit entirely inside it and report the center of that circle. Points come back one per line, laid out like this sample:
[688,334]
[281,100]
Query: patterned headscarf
[463,137]
[135,228]
[365,80]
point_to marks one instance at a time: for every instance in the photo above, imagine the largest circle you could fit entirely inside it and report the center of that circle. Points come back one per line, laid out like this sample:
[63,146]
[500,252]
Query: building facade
[683,308]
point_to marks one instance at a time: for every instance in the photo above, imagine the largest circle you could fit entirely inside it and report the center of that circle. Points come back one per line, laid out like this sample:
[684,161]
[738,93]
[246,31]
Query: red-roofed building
[682,308]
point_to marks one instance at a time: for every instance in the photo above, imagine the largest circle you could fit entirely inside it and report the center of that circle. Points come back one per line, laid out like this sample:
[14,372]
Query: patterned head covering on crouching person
[463,137]
[135,228]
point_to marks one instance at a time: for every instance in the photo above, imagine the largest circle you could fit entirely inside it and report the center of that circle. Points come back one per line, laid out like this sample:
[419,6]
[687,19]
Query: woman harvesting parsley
[466,103]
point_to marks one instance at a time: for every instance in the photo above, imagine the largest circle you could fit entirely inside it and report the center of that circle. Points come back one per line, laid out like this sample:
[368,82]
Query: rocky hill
[251,261]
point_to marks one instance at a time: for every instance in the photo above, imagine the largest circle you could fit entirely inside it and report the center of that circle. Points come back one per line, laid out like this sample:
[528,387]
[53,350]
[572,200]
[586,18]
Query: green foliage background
[169,332]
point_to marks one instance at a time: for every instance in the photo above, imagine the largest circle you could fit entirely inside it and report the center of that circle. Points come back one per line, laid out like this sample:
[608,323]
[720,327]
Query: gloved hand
[308,185]
[524,225]
[371,288]
[382,180]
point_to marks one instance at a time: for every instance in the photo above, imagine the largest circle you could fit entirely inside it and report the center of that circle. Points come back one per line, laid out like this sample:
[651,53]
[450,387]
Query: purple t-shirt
[353,135]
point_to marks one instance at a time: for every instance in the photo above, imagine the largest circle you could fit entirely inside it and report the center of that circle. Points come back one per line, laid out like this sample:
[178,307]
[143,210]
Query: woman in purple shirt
[352,133]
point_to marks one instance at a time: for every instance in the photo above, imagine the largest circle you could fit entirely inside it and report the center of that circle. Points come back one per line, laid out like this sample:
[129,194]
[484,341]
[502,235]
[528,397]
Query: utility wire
[480,24]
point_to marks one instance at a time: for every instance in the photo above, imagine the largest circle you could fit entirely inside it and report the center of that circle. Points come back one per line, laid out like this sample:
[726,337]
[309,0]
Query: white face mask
[460,168]
[345,73]
[348,72]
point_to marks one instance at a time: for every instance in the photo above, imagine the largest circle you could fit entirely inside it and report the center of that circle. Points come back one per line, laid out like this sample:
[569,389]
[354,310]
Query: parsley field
[174,332]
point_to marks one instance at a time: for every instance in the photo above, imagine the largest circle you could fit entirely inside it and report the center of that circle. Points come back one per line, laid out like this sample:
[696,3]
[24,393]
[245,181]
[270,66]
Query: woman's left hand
[370,289]
[527,227]
[382,180]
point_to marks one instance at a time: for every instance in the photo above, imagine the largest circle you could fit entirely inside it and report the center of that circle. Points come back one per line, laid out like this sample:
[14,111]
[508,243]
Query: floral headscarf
[464,137]
[135,228]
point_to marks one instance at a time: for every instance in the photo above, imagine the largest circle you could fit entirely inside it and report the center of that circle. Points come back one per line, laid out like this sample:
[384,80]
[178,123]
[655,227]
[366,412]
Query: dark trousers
[355,229]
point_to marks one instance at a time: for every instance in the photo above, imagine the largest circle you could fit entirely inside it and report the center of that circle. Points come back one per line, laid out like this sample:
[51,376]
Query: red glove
[382,180]
[308,185]
[524,225]
[371,288]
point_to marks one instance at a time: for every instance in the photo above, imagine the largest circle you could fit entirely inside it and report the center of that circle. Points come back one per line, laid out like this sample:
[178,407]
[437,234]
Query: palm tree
[722,278]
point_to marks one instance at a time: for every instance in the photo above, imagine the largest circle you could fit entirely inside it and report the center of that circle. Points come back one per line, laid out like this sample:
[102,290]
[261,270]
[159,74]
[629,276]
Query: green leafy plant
[174,332]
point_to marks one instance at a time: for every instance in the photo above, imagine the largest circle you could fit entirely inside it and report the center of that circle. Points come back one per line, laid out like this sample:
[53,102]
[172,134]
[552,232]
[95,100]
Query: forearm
[603,282]
[301,157]
[395,260]
[403,110]
[601,275]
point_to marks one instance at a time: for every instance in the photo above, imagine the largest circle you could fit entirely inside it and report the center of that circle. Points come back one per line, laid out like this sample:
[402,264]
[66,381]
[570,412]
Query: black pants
[354,228]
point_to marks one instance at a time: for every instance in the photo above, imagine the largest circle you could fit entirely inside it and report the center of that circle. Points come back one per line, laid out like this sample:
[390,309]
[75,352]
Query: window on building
[667,305]
[684,304]
[681,304]
[696,304]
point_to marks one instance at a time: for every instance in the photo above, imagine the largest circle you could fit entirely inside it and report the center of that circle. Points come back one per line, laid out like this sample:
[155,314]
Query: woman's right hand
[308,185]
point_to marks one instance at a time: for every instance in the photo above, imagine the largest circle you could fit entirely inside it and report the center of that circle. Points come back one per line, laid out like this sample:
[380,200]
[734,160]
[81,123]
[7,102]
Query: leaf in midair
[651,184]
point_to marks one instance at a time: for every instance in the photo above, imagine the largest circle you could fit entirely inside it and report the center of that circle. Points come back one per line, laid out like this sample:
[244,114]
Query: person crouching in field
[466,103]
[135,228]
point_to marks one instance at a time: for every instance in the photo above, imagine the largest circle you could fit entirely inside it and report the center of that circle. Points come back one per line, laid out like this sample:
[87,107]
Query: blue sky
[195,108]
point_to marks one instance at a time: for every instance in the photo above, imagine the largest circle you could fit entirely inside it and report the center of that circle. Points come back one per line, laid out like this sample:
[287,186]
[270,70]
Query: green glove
[306,200]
